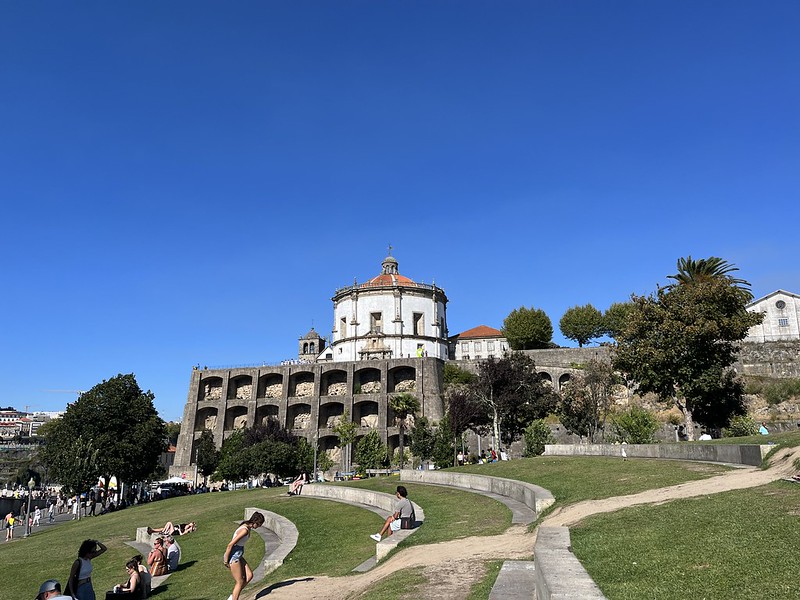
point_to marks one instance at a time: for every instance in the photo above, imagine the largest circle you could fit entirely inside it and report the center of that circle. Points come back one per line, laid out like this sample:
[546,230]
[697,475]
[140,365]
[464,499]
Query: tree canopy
[113,429]
[582,324]
[586,400]
[512,393]
[615,317]
[681,342]
[708,269]
[528,329]
[261,449]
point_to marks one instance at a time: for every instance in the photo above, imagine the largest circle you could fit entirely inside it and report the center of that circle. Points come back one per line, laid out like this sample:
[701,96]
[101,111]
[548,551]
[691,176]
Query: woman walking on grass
[234,554]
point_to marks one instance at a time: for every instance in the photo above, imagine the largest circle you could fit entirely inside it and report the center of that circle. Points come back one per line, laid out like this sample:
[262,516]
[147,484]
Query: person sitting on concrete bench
[403,516]
[297,485]
[170,529]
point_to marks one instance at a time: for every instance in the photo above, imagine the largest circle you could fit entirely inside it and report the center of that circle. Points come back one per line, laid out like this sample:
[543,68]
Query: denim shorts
[236,554]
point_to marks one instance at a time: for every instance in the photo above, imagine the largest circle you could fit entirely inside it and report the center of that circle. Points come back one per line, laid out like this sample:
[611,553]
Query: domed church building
[389,316]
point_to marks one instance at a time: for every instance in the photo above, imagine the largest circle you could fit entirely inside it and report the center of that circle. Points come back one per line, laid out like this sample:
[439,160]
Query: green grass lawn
[323,525]
[572,479]
[734,545]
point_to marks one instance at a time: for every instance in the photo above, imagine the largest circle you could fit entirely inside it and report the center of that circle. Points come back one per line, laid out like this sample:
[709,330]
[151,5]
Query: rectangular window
[490,346]
[419,324]
[783,322]
[477,347]
[375,322]
[465,346]
[343,327]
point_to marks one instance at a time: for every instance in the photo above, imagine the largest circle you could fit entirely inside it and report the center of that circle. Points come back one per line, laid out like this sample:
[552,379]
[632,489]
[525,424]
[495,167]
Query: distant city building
[478,343]
[781,317]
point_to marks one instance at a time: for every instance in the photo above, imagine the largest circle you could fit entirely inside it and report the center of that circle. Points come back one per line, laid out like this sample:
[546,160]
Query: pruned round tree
[528,329]
[582,324]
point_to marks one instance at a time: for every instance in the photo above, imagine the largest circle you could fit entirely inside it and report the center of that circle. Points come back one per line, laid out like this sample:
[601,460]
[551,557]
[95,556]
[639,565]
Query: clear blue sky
[189,182]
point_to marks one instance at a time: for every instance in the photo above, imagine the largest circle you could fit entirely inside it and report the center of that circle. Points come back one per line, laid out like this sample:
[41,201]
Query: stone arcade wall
[302,396]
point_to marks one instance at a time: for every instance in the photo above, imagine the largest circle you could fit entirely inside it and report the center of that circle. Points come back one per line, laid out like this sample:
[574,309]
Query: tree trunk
[401,444]
[688,422]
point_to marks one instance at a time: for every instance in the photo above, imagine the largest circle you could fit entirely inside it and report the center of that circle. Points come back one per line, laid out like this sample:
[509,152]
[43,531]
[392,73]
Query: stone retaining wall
[740,454]
[534,496]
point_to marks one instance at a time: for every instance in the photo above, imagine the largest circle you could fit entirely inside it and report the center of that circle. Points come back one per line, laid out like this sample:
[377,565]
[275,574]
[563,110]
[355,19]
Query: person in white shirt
[51,590]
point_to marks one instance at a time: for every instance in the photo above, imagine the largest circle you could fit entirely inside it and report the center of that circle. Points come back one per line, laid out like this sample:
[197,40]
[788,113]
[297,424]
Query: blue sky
[189,182]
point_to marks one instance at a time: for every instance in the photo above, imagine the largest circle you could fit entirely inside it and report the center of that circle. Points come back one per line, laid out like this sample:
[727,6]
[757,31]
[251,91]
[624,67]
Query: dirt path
[451,566]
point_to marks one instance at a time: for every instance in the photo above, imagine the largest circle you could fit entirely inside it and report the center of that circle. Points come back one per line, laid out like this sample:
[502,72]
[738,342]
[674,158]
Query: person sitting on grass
[171,529]
[402,509]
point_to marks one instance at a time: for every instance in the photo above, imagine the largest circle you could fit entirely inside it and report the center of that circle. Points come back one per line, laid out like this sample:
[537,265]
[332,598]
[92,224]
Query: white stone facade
[478,343]
[781,317]
[390,316]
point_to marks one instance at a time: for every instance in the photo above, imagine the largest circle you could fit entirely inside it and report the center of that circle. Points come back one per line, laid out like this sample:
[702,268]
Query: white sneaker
[376,537]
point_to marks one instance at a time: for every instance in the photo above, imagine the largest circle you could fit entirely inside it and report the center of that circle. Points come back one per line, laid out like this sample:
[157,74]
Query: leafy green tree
[346,430]
[582,324]
[402,406]
[635,426]
[208,456]
[528,329]
[173,431]
[453,375]
[443,447]
[537,434]
[512,394]
[615,317]
[681,343]
[464,411]
[371,452]
[422,439]
[117,418]
[586,401]
[232,464]
[75,465]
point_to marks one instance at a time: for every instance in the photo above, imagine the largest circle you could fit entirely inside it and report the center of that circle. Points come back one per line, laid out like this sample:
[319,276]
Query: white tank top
[244,538]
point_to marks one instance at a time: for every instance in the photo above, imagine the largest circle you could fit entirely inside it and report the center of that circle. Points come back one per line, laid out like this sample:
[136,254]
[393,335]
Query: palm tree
[403,405]
[707,269]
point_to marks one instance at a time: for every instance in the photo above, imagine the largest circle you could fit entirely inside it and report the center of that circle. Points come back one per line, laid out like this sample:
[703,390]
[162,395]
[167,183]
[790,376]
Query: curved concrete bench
[378,502]
[558,574]
[535,497]
[286,532]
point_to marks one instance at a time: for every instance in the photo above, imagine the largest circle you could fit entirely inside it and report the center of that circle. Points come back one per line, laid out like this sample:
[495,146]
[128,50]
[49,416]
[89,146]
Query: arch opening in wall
[402,379]
[266,413]
[330,414]
[301,385]
[270,386]
[333,383]
[235,418]
[210,389]
[240,387]
[206,418]
[298,416]
[365,414]
[546,378]
[565,379]
[393,442]
[367,381]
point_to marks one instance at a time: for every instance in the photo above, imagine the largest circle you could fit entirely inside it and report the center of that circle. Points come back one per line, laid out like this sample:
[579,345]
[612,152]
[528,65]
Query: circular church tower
[389,316]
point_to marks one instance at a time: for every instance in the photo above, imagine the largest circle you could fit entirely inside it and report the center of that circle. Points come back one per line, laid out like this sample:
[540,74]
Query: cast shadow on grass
[165,584]
[281,584]
[185,565]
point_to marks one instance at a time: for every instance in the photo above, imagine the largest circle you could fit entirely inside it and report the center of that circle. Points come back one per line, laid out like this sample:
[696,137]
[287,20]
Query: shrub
[635,426]
[781,391]
[741,426]
[537,434]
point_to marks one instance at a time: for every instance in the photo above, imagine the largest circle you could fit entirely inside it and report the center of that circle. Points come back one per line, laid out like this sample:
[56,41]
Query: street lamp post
[31,485]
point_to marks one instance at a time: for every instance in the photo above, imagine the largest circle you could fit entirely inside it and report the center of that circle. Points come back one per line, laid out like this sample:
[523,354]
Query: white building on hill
[781,317]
